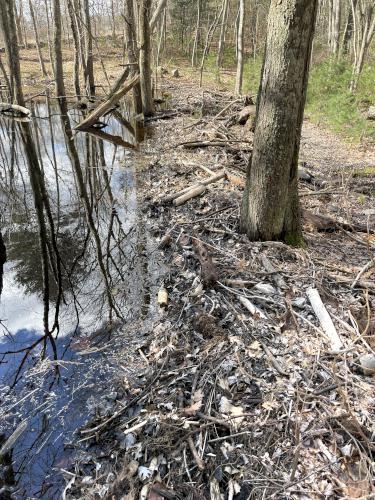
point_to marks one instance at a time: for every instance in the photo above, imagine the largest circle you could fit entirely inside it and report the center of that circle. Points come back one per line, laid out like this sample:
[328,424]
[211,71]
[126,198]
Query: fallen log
[204,182]
[192,193]
[105,106]
[14,109]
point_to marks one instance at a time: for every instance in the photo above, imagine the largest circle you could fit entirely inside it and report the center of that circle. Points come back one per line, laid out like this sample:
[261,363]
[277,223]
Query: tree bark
[131,45]
[59,75]
[145,57]
[240,47]
[270,208]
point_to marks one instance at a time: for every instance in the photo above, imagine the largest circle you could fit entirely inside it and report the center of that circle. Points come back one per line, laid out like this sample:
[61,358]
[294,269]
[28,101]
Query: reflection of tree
[24,246]
[3,258]
[88,199]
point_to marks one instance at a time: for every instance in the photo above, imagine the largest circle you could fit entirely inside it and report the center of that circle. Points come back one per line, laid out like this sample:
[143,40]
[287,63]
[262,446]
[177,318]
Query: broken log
[14,109]
[204,182]
[114,139]
[192,193]
[105,106]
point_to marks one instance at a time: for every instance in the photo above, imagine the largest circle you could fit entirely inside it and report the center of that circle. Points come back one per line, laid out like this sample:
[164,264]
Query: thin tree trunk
[75,34]
[131,40]
[240,48]
[89,76]
[59,75]
[145,57]
[37,41]
[270,208]
[196,38]
[223,31]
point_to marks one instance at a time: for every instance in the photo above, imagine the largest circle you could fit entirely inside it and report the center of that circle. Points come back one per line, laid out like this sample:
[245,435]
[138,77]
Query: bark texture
[145,56]
[270,209]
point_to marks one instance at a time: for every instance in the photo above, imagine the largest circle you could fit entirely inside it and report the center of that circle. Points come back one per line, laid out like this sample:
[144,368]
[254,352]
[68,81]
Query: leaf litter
[240,393]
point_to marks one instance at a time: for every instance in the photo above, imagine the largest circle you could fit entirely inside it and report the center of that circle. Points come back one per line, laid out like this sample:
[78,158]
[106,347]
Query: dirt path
[327,152]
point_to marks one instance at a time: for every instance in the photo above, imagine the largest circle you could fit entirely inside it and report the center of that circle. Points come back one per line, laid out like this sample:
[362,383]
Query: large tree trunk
[240,47]
[270,209]
[145,56]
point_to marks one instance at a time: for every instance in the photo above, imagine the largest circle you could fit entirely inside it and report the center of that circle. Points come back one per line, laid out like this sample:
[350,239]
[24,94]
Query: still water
[79,268]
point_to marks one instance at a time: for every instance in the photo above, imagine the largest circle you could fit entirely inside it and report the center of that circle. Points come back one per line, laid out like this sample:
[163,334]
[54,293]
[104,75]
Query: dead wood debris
[242,395]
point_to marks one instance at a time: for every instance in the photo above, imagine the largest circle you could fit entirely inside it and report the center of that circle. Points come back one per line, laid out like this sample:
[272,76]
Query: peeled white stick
[324,319]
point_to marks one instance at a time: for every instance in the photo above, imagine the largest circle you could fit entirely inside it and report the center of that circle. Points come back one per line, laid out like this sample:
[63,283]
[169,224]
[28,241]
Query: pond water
[79,267]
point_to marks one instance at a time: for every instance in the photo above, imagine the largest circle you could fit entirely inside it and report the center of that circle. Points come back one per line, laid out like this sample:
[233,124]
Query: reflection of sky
[21,310]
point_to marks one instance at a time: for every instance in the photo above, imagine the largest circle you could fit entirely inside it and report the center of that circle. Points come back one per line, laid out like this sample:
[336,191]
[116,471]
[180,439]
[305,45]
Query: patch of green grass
[330,102]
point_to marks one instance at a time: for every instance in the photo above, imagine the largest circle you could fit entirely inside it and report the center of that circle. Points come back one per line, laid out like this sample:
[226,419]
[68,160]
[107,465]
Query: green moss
[295,240]
[364,172]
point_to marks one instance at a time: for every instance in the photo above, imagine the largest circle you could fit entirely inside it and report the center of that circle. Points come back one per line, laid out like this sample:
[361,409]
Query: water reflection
[77,266]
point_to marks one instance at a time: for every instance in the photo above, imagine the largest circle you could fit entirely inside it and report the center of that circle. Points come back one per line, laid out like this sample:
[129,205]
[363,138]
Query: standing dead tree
[240,47]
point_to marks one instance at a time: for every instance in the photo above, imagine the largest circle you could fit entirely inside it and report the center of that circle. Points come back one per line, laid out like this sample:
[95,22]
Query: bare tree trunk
[18,26]
[334,26]
[51,57]
[59,75]
[157,14]
[270,208]
[348,31]
[240,47]
[75,34]
[37,42]
[196,38]
[364,30]
[8,23]
[89,76]
[223,31]
[209,37]
[131,41]
[145,57]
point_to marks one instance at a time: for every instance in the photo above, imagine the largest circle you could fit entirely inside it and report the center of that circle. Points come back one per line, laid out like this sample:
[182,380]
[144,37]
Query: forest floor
[237,390]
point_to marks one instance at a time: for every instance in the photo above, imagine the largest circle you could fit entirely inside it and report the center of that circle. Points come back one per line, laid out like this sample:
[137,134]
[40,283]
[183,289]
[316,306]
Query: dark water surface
[79,267]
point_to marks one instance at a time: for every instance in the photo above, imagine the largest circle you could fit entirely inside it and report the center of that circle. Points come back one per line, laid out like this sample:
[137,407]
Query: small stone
[368,364]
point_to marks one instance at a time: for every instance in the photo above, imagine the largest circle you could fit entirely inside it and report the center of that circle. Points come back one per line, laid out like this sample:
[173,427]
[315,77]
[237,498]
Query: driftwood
[204,182]
[109,103]
[192,193]
[14,109]
[324,319]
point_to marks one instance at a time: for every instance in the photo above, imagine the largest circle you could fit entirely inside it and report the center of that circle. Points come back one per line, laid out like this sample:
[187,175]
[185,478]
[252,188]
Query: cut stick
[193,193]
[253,310]
[204,182]
[105,106]
[325,319]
